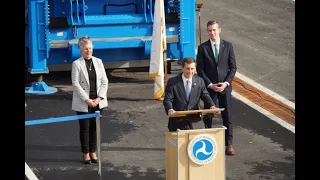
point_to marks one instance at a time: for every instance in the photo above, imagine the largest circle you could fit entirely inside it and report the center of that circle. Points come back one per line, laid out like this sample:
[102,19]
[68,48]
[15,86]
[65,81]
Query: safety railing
[29,173]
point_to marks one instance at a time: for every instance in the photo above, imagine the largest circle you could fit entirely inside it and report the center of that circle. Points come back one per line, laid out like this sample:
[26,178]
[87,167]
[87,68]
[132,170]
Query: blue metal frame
[119,33]
[38,40]
[40,88]
[187,29]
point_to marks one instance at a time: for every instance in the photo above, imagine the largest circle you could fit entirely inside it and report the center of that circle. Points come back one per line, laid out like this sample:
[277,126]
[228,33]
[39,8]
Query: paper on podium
[200,111]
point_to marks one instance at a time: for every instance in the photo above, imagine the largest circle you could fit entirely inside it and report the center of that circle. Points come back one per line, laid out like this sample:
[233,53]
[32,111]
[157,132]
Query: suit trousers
[88,133]
[173,125]
[222,100]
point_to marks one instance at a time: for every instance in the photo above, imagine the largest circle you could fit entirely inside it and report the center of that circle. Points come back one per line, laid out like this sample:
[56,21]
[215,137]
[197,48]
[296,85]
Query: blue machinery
[121,31]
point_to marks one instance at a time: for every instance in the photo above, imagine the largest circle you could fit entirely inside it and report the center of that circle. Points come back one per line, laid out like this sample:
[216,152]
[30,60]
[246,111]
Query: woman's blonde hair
[85,39]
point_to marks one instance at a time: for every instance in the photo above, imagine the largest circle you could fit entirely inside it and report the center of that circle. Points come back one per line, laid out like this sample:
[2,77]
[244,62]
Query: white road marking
[48,168]
[29,173]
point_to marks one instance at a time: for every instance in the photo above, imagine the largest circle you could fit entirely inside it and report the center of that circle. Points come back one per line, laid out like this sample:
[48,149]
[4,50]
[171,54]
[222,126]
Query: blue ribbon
[61,119]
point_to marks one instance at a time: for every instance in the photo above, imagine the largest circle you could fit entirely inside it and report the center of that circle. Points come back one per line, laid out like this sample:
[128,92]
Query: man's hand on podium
[171,112]
[213,107]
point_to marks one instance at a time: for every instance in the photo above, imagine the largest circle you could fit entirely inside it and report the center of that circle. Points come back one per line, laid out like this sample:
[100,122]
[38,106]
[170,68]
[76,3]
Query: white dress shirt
[213,48]
[184,79]
[214,53]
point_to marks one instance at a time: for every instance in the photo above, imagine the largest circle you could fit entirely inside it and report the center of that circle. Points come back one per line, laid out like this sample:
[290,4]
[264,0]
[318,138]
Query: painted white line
[63,168]
[29,173]
[264,112]
[265,90]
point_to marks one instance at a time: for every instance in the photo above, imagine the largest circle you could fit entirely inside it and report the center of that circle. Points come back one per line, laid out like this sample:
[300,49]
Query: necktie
[188,89]
[216,52]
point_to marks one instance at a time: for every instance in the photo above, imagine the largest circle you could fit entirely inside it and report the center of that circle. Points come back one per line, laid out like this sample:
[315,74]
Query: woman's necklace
[90,66]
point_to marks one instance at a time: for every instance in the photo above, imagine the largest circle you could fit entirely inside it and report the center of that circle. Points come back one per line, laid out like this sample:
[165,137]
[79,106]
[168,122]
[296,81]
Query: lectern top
[196,131]
[200,111]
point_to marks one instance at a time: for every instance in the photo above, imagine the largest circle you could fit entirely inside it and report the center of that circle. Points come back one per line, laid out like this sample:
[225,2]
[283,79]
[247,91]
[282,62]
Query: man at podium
[183,92]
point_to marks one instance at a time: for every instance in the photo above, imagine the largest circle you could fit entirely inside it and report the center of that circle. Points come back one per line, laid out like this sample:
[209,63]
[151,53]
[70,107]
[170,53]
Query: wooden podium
[197,154]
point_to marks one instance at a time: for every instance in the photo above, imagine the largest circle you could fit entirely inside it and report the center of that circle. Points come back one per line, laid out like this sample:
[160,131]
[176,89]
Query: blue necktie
[188,90]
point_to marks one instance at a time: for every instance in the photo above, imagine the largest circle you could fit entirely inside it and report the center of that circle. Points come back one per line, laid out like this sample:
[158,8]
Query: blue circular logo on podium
[202,149]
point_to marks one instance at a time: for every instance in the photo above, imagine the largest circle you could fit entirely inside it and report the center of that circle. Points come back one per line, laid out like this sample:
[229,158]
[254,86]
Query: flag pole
[158,54]
[165,68]
[164,41]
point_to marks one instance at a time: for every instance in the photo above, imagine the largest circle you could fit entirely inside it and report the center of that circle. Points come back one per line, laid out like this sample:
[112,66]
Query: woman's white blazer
[81,84]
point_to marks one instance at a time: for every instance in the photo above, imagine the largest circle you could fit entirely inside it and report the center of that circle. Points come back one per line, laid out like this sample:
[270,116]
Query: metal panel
[121,31]
[187,29]
[38,35]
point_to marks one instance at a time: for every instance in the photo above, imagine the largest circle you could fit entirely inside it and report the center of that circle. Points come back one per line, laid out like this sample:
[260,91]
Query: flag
[158,48]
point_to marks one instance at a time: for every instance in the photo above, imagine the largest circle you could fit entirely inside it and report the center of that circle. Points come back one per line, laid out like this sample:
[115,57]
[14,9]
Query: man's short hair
[212,22]
[188,60]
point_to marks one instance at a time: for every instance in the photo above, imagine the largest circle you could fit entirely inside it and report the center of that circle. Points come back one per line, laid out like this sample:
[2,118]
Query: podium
[197,154]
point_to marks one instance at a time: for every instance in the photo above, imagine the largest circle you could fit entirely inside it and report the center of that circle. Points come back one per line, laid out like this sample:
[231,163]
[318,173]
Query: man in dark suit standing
[216,64]
[183,92]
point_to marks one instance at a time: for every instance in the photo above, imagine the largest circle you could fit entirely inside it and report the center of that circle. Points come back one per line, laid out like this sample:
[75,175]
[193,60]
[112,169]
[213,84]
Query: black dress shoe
[87,161]
[94,160]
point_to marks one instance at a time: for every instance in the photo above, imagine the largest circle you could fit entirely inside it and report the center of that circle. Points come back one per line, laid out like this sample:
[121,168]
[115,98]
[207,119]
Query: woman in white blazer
[90,85]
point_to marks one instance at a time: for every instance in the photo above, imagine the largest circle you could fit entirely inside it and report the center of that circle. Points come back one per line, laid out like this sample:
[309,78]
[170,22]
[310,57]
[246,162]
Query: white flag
[158,46]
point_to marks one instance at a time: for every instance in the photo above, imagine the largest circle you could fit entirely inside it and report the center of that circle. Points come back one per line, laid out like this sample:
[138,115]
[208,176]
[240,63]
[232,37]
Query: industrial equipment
[121,31]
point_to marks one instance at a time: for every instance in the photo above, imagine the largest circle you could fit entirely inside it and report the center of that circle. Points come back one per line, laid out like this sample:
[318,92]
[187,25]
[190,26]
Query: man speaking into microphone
[183,92]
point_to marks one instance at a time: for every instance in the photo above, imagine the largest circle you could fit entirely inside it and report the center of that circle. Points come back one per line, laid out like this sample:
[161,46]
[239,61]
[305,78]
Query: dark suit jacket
[175,97]
[210,70]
